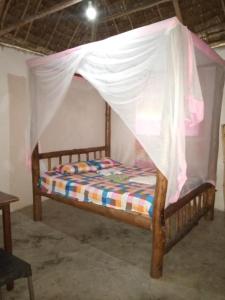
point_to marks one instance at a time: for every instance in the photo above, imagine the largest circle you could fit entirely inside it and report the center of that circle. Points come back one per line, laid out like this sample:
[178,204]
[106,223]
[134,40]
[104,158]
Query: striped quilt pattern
[110,191]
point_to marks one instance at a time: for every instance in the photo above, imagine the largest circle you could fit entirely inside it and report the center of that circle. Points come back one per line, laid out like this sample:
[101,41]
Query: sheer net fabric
[164,84]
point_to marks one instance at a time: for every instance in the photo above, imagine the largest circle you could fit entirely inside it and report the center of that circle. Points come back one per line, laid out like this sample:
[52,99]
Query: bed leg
[158,227]
[158,250]
[37,207]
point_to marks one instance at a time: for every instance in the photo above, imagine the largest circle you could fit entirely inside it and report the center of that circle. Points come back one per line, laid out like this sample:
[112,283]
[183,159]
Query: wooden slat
[31,23]
[4,12]
[70,152]
[54,29]
[187,198]
[177,221]
[199,202]
[42,14]
[2,5]
[23,15]
[73,35]
[49,164]
[195,206]
[182,233]
[129,12]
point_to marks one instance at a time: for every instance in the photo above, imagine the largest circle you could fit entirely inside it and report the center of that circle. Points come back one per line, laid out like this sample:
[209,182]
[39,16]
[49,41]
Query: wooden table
[5,201]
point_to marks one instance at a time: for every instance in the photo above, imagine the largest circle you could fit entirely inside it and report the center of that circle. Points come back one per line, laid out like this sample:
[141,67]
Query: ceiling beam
[129,12]
[4,12]
[54,29]
[73,35]
[177,10]
[223,6]
[38,4]
[42,14]
[2,5]
[23,16]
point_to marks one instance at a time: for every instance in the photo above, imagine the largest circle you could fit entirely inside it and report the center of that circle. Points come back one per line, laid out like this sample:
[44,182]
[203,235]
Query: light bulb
[91,12]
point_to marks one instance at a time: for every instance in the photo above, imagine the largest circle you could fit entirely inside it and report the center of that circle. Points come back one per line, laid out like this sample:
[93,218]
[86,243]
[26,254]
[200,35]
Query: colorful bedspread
[113,191]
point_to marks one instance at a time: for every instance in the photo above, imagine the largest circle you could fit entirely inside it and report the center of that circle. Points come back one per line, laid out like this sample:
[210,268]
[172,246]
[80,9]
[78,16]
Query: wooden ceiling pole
[177,10]
[4,13]
[54,29]
[93,31]
[129,12]
[114,22]
[31,23]
[128,16]
[73,35]
[23,15]
[223,6]
[159,12]
[42,14]
[2,5]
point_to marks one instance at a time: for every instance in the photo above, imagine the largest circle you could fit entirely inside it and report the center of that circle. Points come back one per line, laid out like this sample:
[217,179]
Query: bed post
[107,129]
[158,227]
[37,210]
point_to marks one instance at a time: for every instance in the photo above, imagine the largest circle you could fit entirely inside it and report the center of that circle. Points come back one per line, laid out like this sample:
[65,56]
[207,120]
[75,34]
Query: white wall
[220,201]
[13,63]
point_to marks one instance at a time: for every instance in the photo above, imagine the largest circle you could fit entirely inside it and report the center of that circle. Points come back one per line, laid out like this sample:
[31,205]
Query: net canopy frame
[160,79]
[167,86]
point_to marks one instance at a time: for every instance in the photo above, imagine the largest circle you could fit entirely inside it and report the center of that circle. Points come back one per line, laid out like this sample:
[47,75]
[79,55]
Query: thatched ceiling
[48,26]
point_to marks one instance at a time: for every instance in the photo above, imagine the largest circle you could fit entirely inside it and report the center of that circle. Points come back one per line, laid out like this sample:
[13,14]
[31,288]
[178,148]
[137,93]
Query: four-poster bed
[166,85]
[168,225]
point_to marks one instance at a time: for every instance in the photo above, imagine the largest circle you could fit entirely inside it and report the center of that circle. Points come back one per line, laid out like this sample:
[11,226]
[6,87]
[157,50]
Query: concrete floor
[82,256]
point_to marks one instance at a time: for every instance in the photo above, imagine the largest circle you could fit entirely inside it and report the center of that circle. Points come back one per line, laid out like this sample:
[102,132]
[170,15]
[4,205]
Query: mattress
[114,191]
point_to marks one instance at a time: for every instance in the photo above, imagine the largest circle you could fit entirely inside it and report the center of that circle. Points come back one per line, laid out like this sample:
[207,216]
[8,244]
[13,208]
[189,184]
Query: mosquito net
[163,83]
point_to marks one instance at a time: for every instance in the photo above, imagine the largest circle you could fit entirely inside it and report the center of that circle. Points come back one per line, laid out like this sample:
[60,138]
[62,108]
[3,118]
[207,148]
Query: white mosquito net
[164,83]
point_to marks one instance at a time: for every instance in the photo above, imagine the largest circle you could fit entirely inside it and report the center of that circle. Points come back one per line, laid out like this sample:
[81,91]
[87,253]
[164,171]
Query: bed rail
[73,155]
[183,215]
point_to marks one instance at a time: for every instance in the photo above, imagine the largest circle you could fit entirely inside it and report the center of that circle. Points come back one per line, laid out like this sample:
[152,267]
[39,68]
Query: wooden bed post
[37,209]
[107,129]
[158,227]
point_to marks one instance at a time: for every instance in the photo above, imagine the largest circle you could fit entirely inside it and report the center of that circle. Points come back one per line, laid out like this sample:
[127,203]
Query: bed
[166,85]
[143,207]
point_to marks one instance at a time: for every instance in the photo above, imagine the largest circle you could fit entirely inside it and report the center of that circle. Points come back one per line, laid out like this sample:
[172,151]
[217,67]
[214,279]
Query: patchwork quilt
[115,191]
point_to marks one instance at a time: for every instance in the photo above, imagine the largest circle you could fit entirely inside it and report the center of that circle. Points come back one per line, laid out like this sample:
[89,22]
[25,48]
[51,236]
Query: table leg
[7,234]
[7,228]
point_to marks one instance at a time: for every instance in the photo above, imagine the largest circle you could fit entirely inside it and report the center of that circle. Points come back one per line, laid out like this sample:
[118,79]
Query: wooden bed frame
[168,225]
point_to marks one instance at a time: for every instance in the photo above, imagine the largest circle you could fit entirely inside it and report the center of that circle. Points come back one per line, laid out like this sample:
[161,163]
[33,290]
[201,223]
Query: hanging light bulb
[91,12]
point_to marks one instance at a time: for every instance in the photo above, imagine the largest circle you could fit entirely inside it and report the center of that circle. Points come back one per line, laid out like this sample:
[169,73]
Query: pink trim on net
[203,47]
